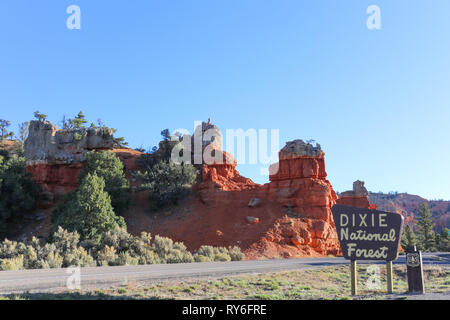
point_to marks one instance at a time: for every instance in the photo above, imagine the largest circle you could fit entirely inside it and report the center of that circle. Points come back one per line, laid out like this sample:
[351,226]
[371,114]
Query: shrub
[236,253]
[88,211]
[107,256]
[125,259]
[108,166]
[15,263]
[168,181]
[210,253]
[18,192]
[170,252]
[115,248]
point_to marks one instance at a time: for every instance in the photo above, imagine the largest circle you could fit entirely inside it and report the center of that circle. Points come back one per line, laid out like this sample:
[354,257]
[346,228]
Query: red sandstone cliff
[288,217]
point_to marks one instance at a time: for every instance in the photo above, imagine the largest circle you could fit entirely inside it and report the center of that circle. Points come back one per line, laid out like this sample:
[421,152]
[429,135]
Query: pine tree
[4,133]
[78,121]
[425,233]
[18,192]
[40,116]
[88,211]
[107,165]
[408,237]
[443,240]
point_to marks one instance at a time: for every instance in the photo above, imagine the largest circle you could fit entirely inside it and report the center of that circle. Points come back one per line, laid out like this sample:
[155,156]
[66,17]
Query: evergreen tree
[18,192]
[107,165]
[4,133]
[167,180]
[443,240]
[88,211]
[408,237]
[425,233]
[78,122]
[40,116]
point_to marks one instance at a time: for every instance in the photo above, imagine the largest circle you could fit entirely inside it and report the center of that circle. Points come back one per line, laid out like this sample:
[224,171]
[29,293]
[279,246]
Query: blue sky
[378,101]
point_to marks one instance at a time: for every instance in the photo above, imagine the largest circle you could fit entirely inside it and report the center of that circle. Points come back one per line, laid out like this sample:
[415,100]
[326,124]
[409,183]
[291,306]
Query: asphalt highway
[46,280]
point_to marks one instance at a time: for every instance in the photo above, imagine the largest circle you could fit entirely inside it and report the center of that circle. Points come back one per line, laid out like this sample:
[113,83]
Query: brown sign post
[366,234]
[414,270]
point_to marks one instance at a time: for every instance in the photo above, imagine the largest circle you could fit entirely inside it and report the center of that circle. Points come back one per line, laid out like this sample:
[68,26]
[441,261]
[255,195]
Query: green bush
[115,248]
[210,253]
[108,166]
[18,192]
[107,256]
[88,211]
[236,253]
[15,263]
[168,181]
[171,252]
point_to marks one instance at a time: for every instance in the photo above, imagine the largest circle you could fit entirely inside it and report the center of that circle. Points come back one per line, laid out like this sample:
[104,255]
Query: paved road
[56,279]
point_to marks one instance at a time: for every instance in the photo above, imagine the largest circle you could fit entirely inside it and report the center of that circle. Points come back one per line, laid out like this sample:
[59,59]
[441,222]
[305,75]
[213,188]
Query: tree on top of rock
[40,116]
[4,133]
[78,122]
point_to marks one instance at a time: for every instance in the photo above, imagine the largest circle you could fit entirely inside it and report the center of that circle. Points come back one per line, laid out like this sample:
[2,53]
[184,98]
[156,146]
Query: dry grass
[318,283]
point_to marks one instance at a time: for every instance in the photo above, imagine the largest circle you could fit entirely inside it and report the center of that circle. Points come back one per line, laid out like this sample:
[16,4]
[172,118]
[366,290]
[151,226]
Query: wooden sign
[414,270]
[366,234]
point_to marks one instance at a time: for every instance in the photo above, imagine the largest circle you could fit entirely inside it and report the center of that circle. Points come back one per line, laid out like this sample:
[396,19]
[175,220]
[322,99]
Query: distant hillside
[408,204]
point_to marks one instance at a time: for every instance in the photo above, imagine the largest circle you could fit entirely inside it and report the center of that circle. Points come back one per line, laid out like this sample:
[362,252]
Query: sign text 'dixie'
[366,234]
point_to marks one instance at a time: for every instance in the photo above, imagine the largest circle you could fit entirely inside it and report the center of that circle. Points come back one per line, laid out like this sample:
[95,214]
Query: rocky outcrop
[293,215]
[47,144]
[288,217]
[299,184]
[217,168]
[55,157]
[358,197]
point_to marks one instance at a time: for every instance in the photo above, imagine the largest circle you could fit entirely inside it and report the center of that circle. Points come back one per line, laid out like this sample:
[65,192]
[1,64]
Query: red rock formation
[55,180]
[358,197]
[293,212]
[55,157]
[359,202]
[223,175]
[298,183]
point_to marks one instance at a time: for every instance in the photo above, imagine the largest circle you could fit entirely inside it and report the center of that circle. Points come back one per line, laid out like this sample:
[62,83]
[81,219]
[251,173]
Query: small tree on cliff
[18,192]
[167,181]
[157,154]
[107,165]
[40,116]
[78,122]
[4,133]
[425,226]
[88,211]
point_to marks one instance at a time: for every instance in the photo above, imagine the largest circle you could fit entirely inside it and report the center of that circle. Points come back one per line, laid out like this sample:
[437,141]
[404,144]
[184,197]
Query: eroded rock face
[299,148]
[47,144]
[55,157]
[358,197]
[298,183]
[295,211]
